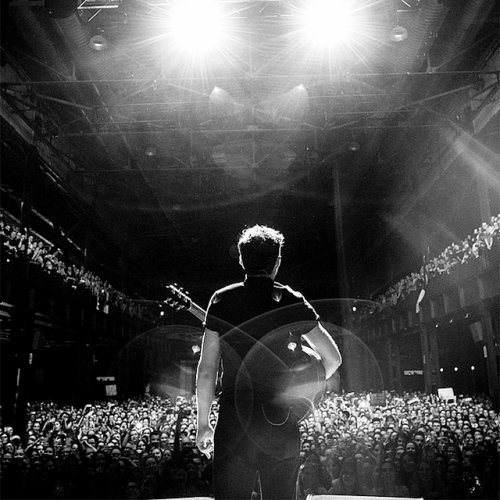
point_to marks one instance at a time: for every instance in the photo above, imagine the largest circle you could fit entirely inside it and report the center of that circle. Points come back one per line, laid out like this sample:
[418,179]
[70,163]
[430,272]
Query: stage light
[455,369]
[197,25]
[327,22]
[354,146]
[220,102]
[98,42]
[472,368]
[398,34]
[441,370]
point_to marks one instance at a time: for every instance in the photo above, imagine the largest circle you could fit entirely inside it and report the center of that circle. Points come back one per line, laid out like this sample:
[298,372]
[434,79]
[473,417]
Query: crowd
[17,243]
[452,256]
[414,445]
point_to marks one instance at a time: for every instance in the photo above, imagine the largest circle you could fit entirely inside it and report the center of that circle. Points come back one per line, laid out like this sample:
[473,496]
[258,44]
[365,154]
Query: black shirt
[254,319]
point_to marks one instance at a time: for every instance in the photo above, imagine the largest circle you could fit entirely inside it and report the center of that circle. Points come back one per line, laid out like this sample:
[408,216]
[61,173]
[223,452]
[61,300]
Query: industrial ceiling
[160,158]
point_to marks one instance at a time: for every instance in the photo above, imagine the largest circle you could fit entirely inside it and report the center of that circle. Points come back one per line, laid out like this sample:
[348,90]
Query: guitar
[179,300]
[297,384]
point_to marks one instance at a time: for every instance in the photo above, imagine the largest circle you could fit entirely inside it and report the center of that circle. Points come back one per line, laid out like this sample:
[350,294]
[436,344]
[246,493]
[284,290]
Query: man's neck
[259,275]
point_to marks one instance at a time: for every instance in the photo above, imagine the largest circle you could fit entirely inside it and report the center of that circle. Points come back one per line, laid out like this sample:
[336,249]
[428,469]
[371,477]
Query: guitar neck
[196,311]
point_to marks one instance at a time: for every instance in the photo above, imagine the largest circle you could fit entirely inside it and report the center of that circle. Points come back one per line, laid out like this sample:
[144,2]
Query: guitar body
[296,389]
[285,377]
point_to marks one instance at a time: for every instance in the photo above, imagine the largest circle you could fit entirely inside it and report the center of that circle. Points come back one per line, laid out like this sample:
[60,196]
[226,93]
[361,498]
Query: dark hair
[259,248]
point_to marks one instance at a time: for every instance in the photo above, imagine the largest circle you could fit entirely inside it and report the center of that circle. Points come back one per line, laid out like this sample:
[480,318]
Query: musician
[254,434]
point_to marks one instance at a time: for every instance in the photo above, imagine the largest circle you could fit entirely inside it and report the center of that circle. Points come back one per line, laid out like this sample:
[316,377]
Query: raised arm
[322,342]
[206,378]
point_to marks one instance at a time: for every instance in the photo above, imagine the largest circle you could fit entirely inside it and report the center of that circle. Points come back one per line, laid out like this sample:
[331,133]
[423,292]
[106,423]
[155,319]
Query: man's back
[240,321]
[249,312]
[239,303]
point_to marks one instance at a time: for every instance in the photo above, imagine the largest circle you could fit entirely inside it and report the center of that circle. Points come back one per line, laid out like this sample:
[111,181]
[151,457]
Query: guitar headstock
[178,298]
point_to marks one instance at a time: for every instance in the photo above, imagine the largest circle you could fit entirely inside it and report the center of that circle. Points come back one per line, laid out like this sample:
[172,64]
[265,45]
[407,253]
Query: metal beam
[345,77]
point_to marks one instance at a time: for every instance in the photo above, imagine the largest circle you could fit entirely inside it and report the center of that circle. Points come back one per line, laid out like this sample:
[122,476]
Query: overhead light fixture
[398,34]
[354,146]
[220,102]
[327,22]
[98,42]
[197,25]
[150,151]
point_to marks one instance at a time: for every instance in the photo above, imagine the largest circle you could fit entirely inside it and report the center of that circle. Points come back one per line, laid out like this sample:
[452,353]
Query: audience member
[416,445]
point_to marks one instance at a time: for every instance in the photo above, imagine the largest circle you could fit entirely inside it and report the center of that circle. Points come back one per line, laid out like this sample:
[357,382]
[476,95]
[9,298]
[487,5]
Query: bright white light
[456,368]
[472,367]
[441,370]
[197,25]
[327,22]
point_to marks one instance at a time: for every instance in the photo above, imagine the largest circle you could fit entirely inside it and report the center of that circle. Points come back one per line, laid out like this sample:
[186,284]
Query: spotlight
[197,25]
[398,34]
[441,370]
[472,368]
[455,369]
[98,42]
[220,102]
[354,146]
[327,21]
